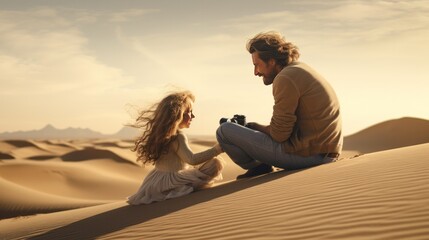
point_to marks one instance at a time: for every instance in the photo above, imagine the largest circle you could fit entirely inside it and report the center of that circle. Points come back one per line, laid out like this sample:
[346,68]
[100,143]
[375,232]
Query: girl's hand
[218,148]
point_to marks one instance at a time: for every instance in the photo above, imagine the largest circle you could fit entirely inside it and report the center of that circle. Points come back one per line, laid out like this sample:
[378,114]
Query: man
[305,128]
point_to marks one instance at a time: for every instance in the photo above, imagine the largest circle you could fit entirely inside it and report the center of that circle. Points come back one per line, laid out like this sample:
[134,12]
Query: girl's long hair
[160,125]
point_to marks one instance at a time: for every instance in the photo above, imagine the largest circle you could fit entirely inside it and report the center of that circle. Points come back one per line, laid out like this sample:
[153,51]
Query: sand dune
[374,196]
[17,200]
[30,149]
[93,153]
[6,156]
[114,143]
[59,182]
[389,135]
[76,189]
[71,174]
[69,180]
[20,143]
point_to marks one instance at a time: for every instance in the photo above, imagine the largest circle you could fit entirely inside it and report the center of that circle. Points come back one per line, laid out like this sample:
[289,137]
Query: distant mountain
[388,135]
[50,132]
[382,136]
[126,133]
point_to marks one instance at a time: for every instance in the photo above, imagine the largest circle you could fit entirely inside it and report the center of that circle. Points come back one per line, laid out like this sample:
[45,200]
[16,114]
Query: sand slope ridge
[48,176]
[390,134]
[382,195]
[36,150]
[15,201]
[55,181]
[89,153]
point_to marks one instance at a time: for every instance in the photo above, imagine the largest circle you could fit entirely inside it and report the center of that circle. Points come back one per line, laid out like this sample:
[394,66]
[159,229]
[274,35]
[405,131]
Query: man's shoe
[256,171]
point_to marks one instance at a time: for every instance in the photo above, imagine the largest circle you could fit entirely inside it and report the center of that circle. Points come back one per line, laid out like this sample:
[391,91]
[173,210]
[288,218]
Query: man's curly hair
[272,45]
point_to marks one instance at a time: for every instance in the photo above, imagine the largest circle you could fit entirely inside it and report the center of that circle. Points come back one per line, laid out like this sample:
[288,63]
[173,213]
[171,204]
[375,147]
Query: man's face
[268,71]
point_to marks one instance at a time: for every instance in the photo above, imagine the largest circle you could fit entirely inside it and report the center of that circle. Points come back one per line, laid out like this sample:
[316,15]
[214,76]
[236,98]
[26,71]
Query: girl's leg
[212,167]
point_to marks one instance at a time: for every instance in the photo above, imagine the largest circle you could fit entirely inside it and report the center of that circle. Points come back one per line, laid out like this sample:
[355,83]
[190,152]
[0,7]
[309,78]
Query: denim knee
[220,132]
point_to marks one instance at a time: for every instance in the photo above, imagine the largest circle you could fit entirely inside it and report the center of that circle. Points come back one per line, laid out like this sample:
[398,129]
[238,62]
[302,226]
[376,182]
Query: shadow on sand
[126,216]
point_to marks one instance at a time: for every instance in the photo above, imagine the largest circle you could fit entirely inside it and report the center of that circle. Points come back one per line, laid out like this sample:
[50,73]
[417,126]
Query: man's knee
[223,130]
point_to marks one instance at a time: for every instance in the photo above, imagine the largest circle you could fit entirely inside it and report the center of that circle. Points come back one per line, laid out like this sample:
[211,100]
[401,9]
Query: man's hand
[258,127]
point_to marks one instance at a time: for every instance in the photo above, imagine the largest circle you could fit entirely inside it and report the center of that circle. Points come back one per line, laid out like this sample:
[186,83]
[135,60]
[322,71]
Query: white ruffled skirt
[160,185]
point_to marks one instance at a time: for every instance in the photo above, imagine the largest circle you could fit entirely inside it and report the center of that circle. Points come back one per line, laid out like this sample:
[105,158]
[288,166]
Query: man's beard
[268,80]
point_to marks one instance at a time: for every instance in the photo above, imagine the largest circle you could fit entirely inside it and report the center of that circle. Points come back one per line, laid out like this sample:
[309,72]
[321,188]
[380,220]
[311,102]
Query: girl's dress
[174,177]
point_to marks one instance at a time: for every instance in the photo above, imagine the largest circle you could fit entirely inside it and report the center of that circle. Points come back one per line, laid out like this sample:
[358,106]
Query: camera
[239,119]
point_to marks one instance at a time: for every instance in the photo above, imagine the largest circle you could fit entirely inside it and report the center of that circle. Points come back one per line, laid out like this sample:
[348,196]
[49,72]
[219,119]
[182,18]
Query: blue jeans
[248,148]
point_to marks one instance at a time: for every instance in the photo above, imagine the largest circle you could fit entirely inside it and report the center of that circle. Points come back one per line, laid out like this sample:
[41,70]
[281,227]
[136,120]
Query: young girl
[163,144]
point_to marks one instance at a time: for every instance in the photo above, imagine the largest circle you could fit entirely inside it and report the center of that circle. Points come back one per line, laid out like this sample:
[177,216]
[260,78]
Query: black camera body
[239,119]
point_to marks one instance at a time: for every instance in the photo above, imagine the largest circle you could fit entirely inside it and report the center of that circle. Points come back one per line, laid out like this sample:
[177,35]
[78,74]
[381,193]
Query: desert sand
[77,189]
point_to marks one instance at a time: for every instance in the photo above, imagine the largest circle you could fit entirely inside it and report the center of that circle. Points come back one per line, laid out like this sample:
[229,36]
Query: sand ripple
[380,195]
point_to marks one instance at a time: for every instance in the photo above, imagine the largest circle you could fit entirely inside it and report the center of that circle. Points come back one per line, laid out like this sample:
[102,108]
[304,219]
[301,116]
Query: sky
[94,64]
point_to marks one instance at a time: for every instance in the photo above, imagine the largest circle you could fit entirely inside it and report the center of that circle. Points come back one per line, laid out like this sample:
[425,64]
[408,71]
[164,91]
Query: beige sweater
[180,154]
[306,113]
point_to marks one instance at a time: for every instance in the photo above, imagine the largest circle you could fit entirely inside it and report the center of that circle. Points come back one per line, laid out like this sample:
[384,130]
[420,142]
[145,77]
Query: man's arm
[258,127]
[286,99]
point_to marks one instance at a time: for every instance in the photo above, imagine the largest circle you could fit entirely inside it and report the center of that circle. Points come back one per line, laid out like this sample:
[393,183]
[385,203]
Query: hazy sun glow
[89,63]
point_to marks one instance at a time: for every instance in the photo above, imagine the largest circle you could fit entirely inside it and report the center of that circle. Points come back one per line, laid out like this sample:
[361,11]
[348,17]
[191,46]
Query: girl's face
[187,116]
